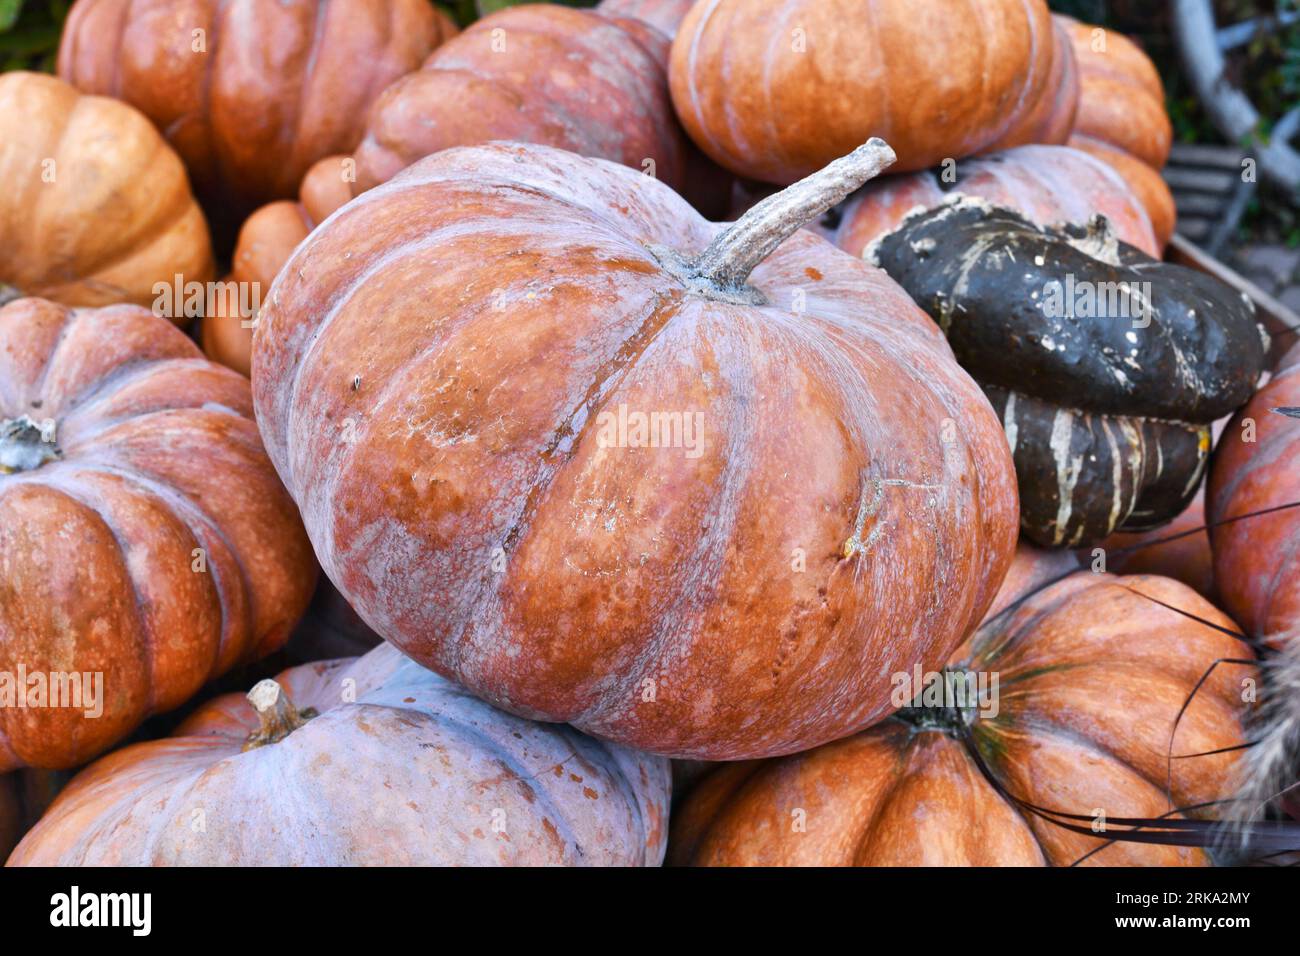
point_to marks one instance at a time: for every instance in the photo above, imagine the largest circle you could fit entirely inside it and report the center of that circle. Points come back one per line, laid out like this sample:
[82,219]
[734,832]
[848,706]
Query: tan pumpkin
[1047,184]
[384,764]
[449,424]
[145,543]
[266,240]
[250,94]
[1256,467]
[1122,118]
[775,92]
[538,73]
[664,15]
[1092,674]
[96,209]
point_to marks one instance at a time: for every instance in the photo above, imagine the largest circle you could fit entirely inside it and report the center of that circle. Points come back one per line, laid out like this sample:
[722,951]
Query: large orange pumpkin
[1256,468]
[456,374]
[252,93]
[773,93]
[1092,674]
[1047,184]
[384,764]
[95,208]
[1122,118]
[266,240]
[144,537]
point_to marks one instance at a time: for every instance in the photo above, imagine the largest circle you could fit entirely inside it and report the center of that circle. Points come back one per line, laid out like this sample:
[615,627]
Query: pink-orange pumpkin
[1047,184]
[1256,467]
[538,73]
[384,764]
[440,372]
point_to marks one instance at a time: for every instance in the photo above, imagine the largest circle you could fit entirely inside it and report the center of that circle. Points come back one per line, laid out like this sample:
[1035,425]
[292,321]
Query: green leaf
[9,10]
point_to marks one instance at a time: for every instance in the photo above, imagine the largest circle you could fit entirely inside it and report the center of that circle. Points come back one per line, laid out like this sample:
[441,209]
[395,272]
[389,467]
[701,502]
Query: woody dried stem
[738,249]
[276,714]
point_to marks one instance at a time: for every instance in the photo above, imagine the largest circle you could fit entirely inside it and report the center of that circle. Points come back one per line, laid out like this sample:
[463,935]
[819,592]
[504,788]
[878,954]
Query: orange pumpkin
[445,372]
[250,94]
[1047,184]
[1091,678]
[1122,119]
[539,73]
[550,75]
[96,209]
[1256,467]
[147,545]
[384,764]
[773,93]
[266,240]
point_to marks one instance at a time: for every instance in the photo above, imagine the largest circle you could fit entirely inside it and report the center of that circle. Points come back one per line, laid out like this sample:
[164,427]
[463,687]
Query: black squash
[1107,366]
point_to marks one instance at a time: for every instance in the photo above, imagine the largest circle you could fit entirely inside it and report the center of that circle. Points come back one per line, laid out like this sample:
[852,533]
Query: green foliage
[29,33]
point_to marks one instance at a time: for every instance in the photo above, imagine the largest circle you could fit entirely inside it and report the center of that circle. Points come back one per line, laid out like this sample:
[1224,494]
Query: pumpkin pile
[499,489]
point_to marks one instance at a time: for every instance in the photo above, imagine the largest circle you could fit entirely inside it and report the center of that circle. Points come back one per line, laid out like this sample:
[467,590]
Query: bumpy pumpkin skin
[266,240]
[278,85]
[1255,560]
[437,421]
[415,772]
[1122,118]
[1092,676]
[1046,184]
[774,93]
[664,15]
[155,455]
[539,73]
[96,209]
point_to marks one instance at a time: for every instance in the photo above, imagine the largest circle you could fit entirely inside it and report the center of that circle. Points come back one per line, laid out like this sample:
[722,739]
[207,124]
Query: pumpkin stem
[8,294]
[278,717]
[738,249]
[26,445]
